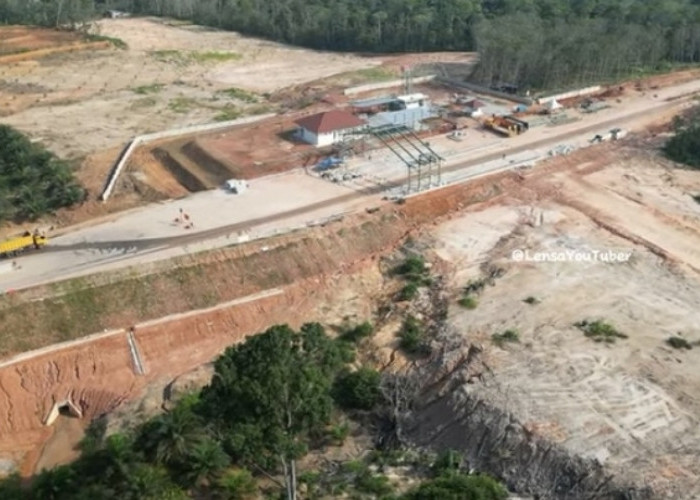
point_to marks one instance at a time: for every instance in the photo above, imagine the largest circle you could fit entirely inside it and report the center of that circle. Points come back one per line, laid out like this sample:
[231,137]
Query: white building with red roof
[329,127]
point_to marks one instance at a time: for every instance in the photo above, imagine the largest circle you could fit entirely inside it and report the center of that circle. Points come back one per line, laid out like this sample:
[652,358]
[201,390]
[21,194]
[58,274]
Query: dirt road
[81,253]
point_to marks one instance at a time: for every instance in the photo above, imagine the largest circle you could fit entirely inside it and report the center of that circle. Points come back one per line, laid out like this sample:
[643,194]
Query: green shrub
[468,302]
[359,332]
[459,487]
[412,266]
[678,343]
[600,331]
[357,390]
[447,461]
[531,300]
[339,433]
[237,484]
[508,336]
[409,291]
[412,337]
[684,147]
[697,198]
[375,484]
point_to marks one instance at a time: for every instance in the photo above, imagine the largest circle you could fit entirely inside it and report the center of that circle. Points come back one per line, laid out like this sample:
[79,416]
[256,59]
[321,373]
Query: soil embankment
[289,274]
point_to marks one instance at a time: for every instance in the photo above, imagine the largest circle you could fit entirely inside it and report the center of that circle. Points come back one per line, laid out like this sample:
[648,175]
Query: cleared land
[633,404]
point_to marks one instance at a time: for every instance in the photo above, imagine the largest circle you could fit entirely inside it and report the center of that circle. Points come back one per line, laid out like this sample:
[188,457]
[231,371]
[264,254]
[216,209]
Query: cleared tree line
[534,44]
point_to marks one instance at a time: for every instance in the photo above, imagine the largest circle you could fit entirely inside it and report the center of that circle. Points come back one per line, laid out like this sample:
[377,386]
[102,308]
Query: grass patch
[531,300]
[144,102]
[376,74]
[228,113]
[153,88]
[170,56]
[468,302]
[509,336]
[600,331]
[240,94]
[181,104]
[116,42]
[214,56]
[678,343]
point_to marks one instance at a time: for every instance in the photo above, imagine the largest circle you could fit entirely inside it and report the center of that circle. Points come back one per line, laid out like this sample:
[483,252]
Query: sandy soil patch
[629,404]
[168,77]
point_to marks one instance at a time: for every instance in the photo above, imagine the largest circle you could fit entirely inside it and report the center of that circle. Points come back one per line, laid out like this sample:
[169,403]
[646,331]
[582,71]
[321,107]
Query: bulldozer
[508,126]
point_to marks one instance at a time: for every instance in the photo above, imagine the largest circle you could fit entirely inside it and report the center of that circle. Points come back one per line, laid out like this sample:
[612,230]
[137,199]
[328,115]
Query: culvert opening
[64,408]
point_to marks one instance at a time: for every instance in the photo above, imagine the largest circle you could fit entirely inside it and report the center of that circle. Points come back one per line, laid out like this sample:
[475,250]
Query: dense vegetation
[32,180]
[684,146]
[533,44]
[272,399]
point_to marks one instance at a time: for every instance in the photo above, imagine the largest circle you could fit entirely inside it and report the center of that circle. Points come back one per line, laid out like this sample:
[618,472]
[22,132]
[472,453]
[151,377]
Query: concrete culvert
[64,408]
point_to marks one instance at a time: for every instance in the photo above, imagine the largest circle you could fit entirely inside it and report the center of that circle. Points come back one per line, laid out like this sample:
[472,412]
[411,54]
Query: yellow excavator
[15,246]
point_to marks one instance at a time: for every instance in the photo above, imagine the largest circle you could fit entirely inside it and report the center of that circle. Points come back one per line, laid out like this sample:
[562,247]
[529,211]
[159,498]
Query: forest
[273,399]
[33,181]
[533,44]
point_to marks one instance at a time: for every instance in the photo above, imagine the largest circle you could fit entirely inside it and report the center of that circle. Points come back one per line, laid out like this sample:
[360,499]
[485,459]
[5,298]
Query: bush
[374,484]
[509,335]
[413,337]
[357,390]
[459,486]
[33,181]
[697,198]
[409,291]
[684,147]
[531,300]
[360,332]
[237,485]
[339,433]
[678,343]
[468,302]
[447,461]
[600,331]
[412,266]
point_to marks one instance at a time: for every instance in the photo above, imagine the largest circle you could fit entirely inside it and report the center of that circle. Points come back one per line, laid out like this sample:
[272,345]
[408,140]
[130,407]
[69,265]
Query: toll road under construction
[423,164]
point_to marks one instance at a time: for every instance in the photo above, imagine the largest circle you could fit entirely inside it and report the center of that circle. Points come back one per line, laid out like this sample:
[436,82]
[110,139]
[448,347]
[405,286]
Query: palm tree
[206,460]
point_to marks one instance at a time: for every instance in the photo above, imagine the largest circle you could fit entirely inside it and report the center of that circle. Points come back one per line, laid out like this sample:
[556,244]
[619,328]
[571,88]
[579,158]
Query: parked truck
[17,245]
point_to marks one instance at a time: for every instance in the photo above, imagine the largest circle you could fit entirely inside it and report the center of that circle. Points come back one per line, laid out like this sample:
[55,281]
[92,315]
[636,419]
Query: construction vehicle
[508,126]
[19,244]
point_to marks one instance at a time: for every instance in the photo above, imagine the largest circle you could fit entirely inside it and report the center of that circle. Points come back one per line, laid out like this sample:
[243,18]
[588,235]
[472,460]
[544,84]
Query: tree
[169,438]
[32,180]
[272,391]
[237,485]
[358,390]
[205,461]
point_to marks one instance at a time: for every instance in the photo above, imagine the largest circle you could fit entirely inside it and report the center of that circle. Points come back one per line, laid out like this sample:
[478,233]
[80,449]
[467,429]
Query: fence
[146,138]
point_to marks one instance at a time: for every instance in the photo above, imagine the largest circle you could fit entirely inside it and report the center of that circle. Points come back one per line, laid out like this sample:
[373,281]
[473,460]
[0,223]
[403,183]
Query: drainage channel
[135,356]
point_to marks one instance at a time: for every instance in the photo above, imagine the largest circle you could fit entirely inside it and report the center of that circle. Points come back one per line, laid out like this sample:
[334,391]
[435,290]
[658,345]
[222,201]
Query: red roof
[329,121]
